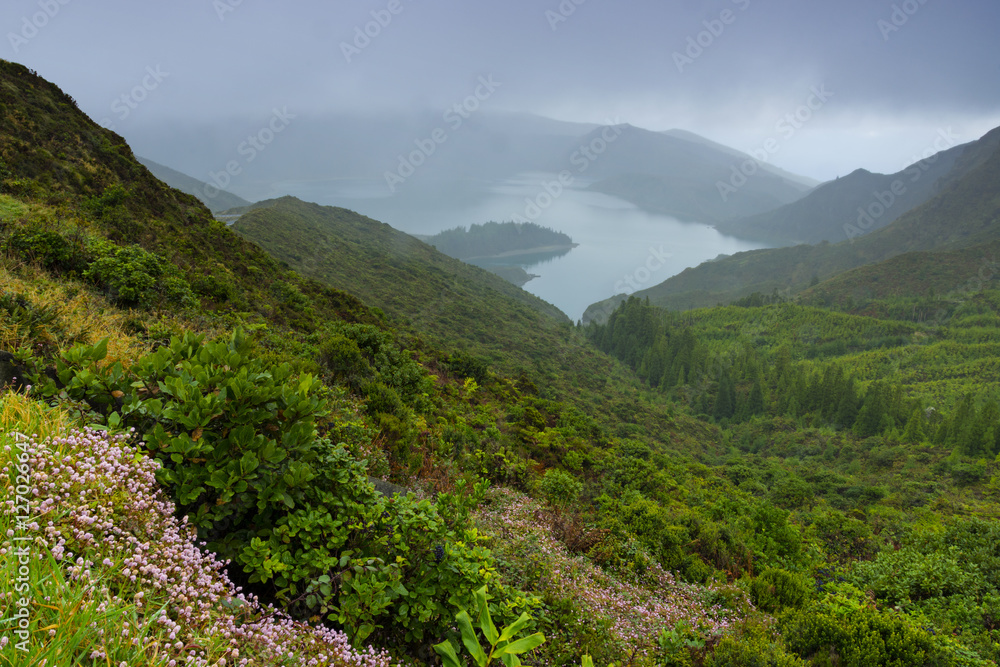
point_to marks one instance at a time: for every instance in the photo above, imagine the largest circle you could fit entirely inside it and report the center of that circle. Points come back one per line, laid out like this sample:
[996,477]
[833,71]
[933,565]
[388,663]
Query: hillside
[679,177]
[838,210]
[87,181]
[435,293]
[913,277]
[964,213]
[193,432]
[215,199]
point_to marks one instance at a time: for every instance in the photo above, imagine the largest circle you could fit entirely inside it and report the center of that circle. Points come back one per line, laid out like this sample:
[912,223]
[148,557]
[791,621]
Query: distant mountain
[676,173]
[965,213]
[215,199]
[847,207]
[682,175]
[405,277]
[778,171]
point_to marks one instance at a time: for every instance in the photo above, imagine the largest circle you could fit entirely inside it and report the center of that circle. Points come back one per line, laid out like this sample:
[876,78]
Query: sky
[861,83]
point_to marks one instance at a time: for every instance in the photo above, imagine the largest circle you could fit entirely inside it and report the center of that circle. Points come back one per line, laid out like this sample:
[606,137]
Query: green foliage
[238,442]
[752,646]
[109,208]
[134,277]
[680,644]
[506,644]
[775,589]
[843,629]
[559,488]
[48,248]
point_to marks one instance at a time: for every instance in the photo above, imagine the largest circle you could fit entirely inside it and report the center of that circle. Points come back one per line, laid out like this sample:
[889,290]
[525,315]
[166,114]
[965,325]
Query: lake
[621,248]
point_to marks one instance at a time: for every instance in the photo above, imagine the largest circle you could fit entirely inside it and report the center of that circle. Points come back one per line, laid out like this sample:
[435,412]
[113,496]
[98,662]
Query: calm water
[621,249]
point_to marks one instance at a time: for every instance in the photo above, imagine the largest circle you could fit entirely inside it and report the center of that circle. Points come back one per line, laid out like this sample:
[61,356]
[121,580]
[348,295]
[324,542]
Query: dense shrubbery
[240,453]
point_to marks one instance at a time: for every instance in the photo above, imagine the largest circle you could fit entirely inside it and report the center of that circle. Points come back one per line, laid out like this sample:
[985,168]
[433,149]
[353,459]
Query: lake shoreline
[539,250]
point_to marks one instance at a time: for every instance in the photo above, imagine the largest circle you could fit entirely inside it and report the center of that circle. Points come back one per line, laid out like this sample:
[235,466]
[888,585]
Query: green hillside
[965,213]
[436,294]
[278,471]
[838,210]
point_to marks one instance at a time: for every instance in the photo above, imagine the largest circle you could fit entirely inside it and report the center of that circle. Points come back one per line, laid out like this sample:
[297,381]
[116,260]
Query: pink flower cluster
[102,514]
[637,610]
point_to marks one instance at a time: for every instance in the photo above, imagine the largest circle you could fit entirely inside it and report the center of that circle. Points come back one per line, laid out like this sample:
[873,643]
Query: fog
[894,74]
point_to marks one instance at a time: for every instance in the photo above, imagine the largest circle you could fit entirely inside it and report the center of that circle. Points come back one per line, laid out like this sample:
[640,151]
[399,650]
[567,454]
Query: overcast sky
[890,75]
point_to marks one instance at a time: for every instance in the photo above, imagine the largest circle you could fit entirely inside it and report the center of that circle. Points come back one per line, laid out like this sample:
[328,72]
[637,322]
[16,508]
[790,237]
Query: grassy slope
[451,303]
[55,157]
[964,214]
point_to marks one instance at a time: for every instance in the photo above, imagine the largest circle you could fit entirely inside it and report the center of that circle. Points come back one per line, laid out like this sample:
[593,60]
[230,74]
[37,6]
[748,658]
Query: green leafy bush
[751,646]
[776,589]
[559,488]
[109,208]
[134,277]
[845,629]
[238,441]
[50,249]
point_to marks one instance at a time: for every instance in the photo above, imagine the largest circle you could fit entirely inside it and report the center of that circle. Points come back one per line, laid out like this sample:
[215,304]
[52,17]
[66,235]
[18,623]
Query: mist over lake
[621,248]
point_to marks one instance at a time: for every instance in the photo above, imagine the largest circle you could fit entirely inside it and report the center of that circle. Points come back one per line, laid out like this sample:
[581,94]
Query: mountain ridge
[964,213]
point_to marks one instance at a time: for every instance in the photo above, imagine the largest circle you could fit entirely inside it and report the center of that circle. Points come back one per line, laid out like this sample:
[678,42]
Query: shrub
[49,249]
[845,629]
[776,589]
[751,646]
[560,489]
[134,277]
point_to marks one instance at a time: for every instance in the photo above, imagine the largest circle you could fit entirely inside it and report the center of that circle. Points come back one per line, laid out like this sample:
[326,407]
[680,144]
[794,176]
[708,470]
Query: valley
[306,435]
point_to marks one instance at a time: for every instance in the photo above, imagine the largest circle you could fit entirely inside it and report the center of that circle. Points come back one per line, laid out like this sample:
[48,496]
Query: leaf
[525,644]
[514,628]
[248,463]
[469,638]
[447,653]
[100,350]
[510,660]
[485,622]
